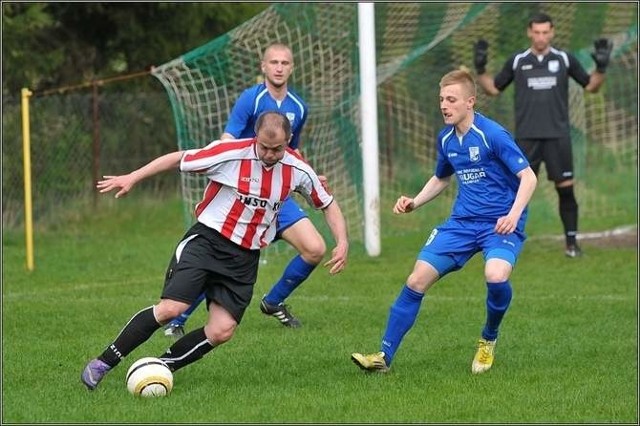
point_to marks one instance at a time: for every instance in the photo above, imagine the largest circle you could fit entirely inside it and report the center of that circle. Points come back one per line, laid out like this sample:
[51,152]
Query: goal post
[369,126]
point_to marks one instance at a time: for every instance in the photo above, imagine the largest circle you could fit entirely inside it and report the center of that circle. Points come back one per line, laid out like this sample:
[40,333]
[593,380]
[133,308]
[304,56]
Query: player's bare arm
[528,181]
[126,182]
[596,79]
[338,226]
[485,81]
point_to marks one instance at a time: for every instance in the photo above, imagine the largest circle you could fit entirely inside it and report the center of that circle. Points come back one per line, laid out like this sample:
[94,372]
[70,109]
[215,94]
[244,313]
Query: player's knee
[499,265]
[418,282]
[497,271]
[219,333]
[314,251]
[567,183]
[496,276]
[167,310]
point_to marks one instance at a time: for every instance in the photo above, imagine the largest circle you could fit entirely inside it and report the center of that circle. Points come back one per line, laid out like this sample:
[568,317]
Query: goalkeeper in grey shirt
[541,81]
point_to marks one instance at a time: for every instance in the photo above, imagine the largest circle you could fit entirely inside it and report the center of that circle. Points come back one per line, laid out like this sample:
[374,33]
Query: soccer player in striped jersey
[542,129]
[250,179]
[293,226]
[495,184]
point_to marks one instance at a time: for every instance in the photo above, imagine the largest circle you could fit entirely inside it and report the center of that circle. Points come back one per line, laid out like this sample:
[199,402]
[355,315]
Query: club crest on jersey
[474,153]
[291,116]
[554,65]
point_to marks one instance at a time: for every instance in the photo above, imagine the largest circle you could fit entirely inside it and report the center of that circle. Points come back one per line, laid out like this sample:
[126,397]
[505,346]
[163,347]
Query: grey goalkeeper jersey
[541,85]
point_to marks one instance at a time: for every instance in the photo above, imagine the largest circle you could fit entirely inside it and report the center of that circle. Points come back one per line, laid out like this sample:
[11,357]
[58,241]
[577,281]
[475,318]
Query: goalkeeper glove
[602,53]
[480,55]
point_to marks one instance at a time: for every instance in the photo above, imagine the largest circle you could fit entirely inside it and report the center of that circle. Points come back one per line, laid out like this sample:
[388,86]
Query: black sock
[189,348]
[139,328]
[568,213]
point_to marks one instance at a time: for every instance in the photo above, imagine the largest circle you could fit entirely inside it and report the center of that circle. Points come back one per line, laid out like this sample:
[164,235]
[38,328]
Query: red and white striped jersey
[244,195]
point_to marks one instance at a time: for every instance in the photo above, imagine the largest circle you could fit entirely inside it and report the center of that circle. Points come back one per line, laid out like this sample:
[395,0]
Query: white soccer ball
[149,377]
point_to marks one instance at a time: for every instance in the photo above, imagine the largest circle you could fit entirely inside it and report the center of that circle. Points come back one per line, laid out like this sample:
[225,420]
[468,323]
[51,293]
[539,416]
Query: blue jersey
[485,162]
[256,100]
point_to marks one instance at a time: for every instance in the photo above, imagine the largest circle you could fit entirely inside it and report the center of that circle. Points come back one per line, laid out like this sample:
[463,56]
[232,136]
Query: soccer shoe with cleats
[483,360]
[374,363]
[94,372]
[175,331]
[281,312]
[573,251]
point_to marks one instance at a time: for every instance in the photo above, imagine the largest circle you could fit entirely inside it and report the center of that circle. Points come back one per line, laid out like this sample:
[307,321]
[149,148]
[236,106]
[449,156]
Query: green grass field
[568,350]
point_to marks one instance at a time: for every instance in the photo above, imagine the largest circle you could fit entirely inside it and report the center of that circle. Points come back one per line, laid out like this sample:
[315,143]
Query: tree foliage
[47,45]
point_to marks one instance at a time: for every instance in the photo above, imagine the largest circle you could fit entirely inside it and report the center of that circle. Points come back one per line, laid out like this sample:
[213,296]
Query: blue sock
[294,274]
[498,299]
[183,317]
[402,315]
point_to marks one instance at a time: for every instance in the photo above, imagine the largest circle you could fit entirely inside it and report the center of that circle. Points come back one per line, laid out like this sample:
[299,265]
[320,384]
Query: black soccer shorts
[556,154]
[205,261]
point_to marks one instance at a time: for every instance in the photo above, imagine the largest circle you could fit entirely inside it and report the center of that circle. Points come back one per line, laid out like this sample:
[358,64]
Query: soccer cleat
[484,356]
[281,312]
[174,330]
[374,363]
[94,372]
[573,251]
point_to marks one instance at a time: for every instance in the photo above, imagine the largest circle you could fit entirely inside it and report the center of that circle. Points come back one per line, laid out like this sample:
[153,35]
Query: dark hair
[270,121]
[540,18]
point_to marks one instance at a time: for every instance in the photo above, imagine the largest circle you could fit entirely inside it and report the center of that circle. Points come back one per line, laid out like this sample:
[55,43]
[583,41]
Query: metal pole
[96,141]
[369,126]
[26,158]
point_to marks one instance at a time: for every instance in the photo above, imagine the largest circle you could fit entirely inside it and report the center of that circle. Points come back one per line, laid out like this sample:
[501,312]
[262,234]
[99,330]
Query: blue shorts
[289,213]
[454,242]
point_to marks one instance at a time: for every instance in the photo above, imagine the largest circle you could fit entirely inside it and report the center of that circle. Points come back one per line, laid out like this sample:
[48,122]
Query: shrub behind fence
[77,137]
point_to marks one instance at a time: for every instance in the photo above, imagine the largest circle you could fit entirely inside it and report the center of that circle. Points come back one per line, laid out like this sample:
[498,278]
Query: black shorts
[556,154]
[206,262]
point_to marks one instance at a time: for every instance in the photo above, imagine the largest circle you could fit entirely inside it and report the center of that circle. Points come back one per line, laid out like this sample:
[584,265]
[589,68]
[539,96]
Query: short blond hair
[277,46]
[460,76]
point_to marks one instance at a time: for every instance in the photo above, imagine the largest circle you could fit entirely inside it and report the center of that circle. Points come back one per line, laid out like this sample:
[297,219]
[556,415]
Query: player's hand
[338,259]
[325,183]
[480,55]
[506,225]
[601,54]
[123,182]
[403,205]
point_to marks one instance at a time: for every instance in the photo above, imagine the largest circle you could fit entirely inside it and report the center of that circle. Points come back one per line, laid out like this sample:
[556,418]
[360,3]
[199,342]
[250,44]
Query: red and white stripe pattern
[244,195]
